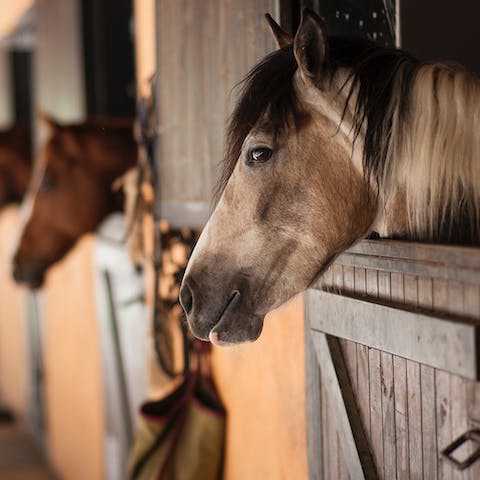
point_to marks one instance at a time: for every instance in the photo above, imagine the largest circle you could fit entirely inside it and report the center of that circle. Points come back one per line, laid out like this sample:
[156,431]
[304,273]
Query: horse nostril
[186,298]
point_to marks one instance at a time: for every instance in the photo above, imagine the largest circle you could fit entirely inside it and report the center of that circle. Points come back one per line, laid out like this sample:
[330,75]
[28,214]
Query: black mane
[267,93]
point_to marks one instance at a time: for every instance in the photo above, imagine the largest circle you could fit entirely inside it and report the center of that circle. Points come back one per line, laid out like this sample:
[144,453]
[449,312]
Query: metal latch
[473,436]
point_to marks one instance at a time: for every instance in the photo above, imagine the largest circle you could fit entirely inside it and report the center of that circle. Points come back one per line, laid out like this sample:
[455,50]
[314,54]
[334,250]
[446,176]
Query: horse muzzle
[31,274]
[217,316]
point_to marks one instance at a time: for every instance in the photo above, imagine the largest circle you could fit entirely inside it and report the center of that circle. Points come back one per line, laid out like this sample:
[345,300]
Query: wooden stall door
[408,317]
[204,48]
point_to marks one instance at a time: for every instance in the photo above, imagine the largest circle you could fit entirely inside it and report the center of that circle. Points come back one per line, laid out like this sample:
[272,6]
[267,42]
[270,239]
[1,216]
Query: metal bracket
[472,435]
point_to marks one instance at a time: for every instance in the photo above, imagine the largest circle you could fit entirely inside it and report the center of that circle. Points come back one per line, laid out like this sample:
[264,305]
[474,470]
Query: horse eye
[47,183]
[259,155]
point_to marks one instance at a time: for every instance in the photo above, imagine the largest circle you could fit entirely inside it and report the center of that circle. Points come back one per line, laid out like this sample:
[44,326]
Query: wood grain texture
[188,86]
[388,417]
[401,417]
[414,402]
[376,419]
[422,408]
[352,433]
[434,341]
[429,421]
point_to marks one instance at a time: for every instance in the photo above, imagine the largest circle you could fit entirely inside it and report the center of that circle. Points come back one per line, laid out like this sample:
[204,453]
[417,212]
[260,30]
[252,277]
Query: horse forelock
[266,95]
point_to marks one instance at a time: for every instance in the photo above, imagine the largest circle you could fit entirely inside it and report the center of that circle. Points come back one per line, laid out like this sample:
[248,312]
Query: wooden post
[6,94]
[352,438]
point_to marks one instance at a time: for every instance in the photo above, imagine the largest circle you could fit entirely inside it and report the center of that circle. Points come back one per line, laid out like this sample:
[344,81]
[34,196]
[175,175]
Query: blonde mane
[434,153]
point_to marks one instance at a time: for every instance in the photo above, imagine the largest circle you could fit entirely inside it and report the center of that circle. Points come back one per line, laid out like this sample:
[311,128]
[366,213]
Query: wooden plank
[363,387]
[453,255]
[327,279]
[428,396]
[410,283]
[376,419]
[443,389]
[471,308]
[401,417]
[397,292]
[429,422]
[360,281]
[425,293]
[337,280]
[186,214]
[388,417]
[471,301]
[387,391]
[415,447]
[458,395]
[332,447]
[342,466]
[363,379]
[410,335]
[343,406]
[444,421]
[326,435]
[424,269]
[384,287]
[372,283]
[349,350]
[348,279]
[458,391]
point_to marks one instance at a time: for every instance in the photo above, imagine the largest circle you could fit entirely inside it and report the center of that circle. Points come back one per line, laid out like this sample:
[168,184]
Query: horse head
[70,192]
[292,194]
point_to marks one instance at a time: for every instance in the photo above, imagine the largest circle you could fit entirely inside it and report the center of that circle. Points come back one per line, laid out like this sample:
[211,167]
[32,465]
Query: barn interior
[316,396]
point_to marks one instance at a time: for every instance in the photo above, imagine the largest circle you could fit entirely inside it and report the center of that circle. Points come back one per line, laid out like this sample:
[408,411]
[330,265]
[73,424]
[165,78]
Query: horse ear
[281,36]
[48,121]
[311,45]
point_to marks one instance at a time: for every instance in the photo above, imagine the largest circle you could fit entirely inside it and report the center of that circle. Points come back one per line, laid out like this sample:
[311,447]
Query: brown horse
[331,139]
[70,192]
[15,164]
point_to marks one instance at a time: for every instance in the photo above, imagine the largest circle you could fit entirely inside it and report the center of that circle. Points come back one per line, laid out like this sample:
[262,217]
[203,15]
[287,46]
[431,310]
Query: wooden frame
[447,344]
[407,316]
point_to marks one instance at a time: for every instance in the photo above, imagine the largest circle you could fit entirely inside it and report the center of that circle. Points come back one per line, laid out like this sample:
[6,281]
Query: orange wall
[14,375]
[263,387]
[72,361]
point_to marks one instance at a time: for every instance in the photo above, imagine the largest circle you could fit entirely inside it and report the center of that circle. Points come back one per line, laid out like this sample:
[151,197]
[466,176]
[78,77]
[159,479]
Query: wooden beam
[6,91]
[352,438]
[449,344]
[423,268]
[186,214]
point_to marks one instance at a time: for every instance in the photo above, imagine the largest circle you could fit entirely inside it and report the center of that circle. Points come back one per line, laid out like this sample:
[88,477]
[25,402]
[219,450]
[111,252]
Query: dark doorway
[109,60]
[442,30]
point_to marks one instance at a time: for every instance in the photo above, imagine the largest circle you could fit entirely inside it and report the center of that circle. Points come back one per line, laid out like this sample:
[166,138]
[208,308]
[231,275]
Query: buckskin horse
[331,139]
[70,191]
[15,164]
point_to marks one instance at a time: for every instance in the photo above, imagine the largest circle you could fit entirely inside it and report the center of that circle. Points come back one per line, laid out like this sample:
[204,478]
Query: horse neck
[431,186]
